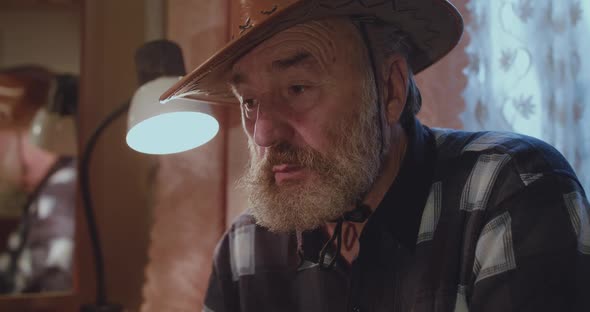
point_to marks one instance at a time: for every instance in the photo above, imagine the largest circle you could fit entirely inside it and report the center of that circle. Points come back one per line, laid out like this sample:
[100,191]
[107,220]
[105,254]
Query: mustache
[285,153]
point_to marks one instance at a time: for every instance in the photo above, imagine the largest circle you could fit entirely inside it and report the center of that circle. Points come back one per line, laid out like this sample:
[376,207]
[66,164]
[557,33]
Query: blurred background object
[97,40]
[23,89]
[22,165]
[39,40]
[54,126]
[38,254]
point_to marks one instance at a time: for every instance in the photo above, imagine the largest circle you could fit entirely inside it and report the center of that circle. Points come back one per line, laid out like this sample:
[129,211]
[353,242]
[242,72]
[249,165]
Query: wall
[442,84]
[24,33]
[114,29]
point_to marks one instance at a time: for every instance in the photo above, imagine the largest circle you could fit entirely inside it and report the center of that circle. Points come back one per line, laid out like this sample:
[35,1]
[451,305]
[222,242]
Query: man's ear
[395,87]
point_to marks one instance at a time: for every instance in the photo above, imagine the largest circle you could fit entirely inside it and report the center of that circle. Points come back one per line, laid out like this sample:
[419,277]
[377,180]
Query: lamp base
[102,308]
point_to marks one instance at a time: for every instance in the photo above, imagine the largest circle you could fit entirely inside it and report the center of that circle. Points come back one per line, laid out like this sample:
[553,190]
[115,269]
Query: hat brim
[434,27]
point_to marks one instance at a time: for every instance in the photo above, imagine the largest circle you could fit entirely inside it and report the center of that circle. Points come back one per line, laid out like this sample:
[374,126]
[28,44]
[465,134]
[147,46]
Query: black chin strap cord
[362,25]
[358,215]
[362,212]
[337,236]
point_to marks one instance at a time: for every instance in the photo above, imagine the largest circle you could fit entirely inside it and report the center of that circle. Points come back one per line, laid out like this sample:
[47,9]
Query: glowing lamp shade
[54,132]
[171,127]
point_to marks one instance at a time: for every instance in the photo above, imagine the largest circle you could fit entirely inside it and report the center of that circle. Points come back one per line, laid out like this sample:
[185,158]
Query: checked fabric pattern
[475,222]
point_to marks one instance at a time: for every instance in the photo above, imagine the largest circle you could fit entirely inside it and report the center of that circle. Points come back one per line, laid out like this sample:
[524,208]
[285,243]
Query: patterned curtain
[529,73]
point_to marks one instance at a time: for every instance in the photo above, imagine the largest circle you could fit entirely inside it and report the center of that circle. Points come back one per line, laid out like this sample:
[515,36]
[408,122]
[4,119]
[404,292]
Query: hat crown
[433,28]
[248,13]
[412,16]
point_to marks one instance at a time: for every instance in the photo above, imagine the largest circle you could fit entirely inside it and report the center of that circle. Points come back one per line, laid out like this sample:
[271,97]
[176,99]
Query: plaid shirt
[482,221]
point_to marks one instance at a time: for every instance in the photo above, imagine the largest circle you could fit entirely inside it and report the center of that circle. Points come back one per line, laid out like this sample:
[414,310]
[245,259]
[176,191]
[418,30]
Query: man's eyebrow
[299,58]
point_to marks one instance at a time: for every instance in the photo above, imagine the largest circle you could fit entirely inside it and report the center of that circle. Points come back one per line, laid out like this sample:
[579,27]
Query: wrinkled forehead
[319,43]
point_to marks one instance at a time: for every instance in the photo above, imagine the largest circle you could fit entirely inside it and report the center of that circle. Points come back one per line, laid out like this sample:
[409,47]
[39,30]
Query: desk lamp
[153,128]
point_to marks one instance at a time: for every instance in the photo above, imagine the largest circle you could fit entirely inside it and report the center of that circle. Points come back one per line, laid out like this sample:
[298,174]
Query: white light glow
[171,133]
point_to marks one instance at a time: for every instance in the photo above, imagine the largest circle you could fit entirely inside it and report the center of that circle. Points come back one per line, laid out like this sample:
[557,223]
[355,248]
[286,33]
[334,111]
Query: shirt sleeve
[214,299]
[533,254]
[221,295]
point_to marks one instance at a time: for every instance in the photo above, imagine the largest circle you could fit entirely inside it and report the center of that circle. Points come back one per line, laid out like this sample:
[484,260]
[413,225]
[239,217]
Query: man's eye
[297,89]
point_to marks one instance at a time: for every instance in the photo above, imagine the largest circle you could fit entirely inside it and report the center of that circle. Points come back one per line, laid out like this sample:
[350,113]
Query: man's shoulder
[488,141]
[247,248]
[244,225]
[529,155]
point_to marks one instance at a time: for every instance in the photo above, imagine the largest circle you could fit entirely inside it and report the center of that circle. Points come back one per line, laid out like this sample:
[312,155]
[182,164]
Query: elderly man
[356,206]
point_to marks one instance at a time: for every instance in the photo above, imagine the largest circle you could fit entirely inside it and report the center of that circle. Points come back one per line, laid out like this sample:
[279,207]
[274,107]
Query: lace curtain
[529,73]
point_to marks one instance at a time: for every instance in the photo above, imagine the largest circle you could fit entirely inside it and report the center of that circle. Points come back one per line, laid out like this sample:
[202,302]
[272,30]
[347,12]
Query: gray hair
[388,40]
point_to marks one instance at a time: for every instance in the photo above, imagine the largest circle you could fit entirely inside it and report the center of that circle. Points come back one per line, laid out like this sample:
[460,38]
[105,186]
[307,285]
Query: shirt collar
[400,212]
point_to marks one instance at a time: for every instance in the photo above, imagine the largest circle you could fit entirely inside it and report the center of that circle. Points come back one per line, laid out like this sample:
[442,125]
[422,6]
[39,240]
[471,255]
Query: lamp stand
[153,60]
[102,304]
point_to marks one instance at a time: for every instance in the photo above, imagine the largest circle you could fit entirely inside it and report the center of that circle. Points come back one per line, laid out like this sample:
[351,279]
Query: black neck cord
[361,212]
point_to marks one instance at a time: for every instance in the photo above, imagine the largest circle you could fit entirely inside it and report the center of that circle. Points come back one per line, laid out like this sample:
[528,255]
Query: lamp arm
[101,296]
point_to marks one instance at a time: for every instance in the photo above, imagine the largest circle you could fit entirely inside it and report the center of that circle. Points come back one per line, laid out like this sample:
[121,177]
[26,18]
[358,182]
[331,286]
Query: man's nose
[271,127]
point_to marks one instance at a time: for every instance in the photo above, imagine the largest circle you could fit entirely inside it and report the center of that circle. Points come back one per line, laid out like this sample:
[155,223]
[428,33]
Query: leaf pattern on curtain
[526,73]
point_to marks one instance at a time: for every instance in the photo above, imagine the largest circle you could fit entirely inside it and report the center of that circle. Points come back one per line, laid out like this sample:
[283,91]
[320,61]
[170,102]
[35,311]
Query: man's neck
[391,166]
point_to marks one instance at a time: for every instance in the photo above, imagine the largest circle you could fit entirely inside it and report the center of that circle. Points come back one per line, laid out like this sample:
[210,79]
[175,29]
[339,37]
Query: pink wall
[195,195]
[442,84]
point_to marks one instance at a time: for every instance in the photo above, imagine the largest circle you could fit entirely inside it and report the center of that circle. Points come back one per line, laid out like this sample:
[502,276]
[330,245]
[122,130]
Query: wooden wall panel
[113,30]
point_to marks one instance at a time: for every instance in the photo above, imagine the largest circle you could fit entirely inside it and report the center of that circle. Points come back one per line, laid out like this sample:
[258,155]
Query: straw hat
[434,27]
